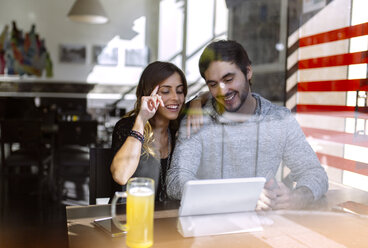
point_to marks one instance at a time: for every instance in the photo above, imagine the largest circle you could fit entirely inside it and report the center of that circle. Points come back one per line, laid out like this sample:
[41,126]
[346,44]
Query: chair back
[100,182]
[83,133]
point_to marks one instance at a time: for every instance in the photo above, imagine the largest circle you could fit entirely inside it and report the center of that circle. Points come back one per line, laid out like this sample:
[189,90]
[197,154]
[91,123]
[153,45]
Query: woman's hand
[194,116]
[149,105]
[126,160]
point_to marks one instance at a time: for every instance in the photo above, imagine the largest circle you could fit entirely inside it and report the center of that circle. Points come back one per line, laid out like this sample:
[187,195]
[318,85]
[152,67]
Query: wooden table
[315,227]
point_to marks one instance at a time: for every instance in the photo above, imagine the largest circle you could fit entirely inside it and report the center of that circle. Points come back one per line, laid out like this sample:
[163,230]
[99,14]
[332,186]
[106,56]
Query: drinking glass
[140,194]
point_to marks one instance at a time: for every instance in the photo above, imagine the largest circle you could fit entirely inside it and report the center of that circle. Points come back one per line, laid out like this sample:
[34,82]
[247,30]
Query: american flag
[327,85]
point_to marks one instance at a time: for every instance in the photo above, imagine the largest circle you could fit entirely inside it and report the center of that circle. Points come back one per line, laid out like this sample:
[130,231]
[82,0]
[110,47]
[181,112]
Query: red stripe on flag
[337,137]
[335,85]
[323,108]
[334,35]
[334,60]
[343,164]
[333,110]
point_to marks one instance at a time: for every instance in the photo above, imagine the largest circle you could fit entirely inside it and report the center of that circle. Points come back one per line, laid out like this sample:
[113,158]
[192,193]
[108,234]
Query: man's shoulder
[278,110]
[272,110]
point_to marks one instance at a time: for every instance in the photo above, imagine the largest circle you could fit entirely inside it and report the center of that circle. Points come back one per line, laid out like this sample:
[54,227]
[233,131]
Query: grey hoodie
[255,147]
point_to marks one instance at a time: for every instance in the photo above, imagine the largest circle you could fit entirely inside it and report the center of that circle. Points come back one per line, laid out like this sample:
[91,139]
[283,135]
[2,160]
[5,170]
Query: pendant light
[88,11]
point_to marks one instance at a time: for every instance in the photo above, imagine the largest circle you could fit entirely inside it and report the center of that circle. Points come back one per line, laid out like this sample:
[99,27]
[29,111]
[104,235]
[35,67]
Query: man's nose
[222,88]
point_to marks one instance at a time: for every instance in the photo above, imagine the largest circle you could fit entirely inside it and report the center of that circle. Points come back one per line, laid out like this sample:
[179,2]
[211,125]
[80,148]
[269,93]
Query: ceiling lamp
[88,11]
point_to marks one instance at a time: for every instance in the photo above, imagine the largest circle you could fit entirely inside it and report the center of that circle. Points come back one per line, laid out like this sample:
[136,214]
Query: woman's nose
[174,96]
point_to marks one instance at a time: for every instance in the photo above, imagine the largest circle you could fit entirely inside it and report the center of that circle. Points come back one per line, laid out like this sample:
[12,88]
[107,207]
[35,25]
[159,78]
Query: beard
[243,97]
[242,94]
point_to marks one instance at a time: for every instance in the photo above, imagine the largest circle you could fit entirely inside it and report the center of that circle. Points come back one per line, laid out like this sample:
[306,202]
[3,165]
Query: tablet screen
[214,196]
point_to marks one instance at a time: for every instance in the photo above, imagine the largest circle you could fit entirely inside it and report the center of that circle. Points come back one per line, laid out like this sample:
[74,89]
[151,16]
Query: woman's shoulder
[125,122]
[120,132]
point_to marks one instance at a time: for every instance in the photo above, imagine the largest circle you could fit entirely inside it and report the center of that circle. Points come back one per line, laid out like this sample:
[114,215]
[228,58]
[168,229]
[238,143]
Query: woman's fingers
[150,104]
[160,101]
[155,90]
[197,121]
[196,114]
[188,125]
[194,120]
[157,98]
[194,123]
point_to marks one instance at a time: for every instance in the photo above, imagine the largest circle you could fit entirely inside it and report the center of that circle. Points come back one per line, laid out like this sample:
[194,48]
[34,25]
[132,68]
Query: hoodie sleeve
[299,157]
[184,163]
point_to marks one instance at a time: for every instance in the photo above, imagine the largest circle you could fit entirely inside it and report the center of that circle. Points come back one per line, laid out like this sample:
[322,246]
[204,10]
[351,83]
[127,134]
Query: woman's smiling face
[171,91]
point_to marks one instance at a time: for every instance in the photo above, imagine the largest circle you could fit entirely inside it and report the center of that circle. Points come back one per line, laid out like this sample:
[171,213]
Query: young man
[245,135]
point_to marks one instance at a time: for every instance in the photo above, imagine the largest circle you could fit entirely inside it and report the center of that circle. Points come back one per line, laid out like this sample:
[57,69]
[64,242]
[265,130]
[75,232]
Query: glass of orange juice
[140,194]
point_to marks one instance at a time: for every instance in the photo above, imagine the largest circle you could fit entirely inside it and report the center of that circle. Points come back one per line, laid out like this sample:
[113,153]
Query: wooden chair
[101,184]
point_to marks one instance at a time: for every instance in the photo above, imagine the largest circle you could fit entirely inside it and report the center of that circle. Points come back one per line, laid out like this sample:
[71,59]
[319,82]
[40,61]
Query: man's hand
[268,196]
[279,196]
[283,197]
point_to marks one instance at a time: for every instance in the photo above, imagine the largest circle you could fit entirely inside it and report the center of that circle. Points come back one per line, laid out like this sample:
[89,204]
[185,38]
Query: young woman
[144,139]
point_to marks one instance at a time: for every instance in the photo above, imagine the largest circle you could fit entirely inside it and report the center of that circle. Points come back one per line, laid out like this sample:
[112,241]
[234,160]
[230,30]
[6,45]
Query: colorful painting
[23,54]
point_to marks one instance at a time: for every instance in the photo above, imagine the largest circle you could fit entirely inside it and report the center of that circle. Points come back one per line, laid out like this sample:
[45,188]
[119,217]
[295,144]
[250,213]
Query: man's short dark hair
[224,50]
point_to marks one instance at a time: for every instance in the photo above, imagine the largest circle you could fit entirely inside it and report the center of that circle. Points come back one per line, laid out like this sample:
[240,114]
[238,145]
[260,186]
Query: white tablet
[213,196]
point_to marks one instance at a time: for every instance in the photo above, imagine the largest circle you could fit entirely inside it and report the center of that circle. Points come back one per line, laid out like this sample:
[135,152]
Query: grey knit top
[224,148]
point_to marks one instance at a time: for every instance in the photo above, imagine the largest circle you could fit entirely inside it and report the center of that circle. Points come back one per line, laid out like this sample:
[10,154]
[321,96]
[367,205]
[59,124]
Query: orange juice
[140,207]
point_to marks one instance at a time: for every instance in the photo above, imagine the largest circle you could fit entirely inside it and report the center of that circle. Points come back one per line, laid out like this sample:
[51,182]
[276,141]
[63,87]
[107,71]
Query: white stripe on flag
[322,98]
[325,73]
[334,16]
[324,49]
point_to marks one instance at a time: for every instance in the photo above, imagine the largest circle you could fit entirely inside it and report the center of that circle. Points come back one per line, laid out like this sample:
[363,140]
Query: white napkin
[215,224]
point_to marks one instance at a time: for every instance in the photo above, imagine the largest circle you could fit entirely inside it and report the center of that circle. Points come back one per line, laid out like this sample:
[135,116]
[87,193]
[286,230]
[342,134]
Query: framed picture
[312,5]
[136,57]
[71,53]
[105,55]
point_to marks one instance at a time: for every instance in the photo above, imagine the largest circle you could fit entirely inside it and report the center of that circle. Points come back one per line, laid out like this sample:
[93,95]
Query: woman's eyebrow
[169,86]
[165,86]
